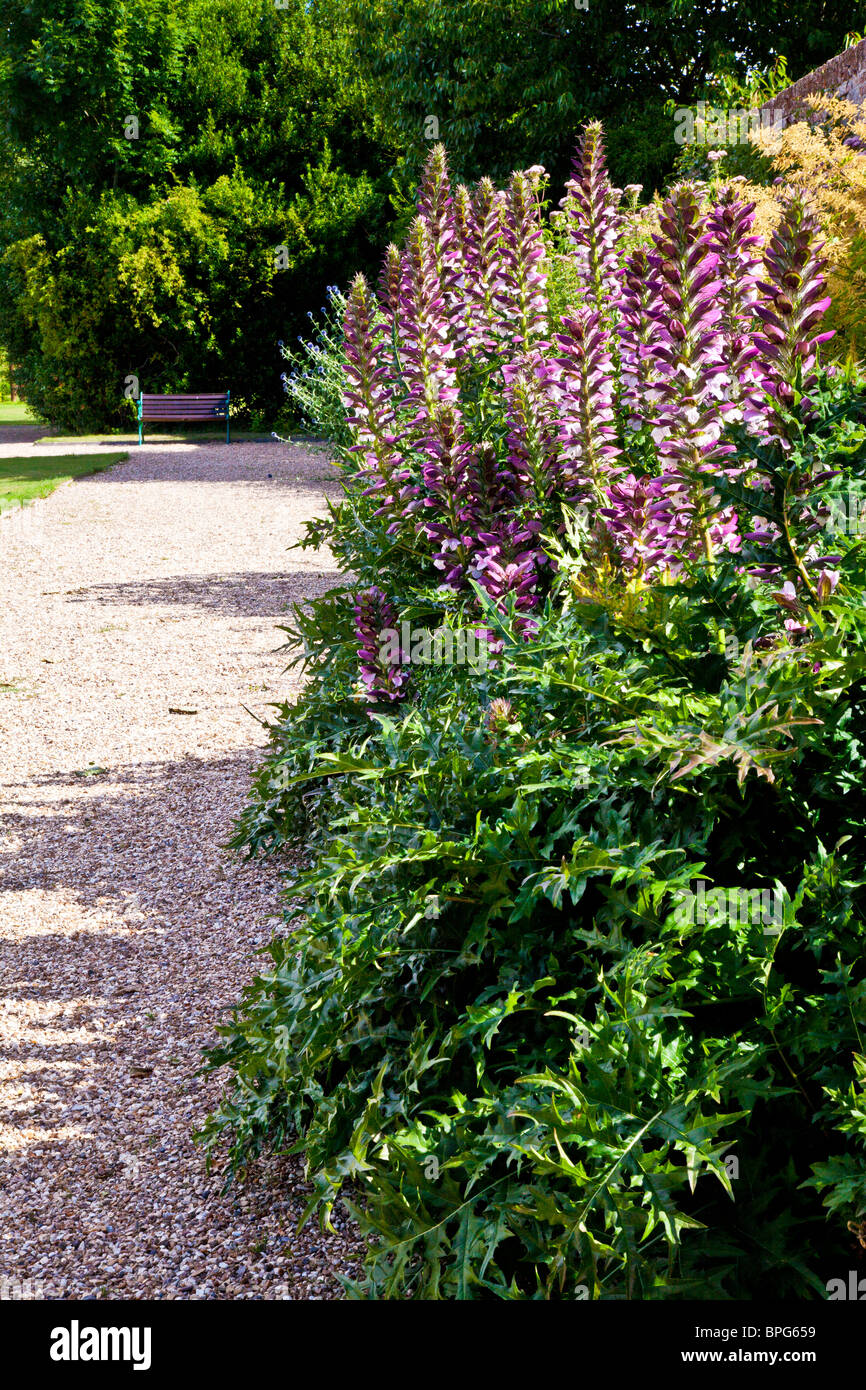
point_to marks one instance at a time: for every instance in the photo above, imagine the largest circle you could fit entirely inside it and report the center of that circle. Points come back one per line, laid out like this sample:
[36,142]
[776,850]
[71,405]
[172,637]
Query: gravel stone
[126,927]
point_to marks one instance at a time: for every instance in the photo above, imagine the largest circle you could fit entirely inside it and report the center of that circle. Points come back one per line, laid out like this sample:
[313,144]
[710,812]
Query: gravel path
[140,612]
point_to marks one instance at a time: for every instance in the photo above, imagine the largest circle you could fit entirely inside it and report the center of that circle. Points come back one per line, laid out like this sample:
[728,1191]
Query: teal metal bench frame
[204,406]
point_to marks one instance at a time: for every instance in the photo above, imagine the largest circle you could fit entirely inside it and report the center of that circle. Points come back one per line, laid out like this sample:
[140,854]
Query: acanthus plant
[592,208]
[476,417]
[793,304]
[739,271]
[639,314]
[690,416]
[375,614]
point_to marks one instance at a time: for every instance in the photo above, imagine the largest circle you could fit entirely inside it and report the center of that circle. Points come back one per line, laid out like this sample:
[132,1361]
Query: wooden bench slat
[194,406]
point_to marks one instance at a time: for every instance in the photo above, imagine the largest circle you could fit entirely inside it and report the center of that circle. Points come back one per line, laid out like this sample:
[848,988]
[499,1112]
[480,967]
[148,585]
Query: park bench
[211,406]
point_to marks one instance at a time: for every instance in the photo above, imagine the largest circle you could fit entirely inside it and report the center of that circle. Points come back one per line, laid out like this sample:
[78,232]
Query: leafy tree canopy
[124,119]
[509,81]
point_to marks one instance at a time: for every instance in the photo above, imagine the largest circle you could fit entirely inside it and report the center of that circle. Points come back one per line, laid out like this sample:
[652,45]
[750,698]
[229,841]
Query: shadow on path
[250,595]
[129,936]
[20,434]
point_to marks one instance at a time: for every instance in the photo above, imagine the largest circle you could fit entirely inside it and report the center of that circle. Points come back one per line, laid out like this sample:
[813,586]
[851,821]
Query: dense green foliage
[314,372]
[494,1022]
[159,257]
[509,81]
[491,974]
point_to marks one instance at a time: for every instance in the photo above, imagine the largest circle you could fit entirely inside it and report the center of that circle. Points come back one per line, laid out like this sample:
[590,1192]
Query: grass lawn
[24,479]
[15,413]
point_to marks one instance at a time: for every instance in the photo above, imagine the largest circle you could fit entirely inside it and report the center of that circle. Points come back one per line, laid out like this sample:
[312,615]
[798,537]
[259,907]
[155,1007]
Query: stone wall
[843,76]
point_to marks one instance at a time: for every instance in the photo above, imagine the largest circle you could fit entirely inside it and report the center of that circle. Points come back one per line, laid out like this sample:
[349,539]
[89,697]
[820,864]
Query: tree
[180,180]
[506,83]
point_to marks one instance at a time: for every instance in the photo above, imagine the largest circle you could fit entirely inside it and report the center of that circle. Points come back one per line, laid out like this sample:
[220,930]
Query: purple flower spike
[466,306]
[448,469]
[641,312]
[383,676]
[435,208]
[489,289]
[367,393]
[450,514]
[427,356]
[581,387]
[591,205]
[689,354]
[651,535]
[525,275]
[533,448]
[389,283]
[730,224]
[794,304]
[509,564]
